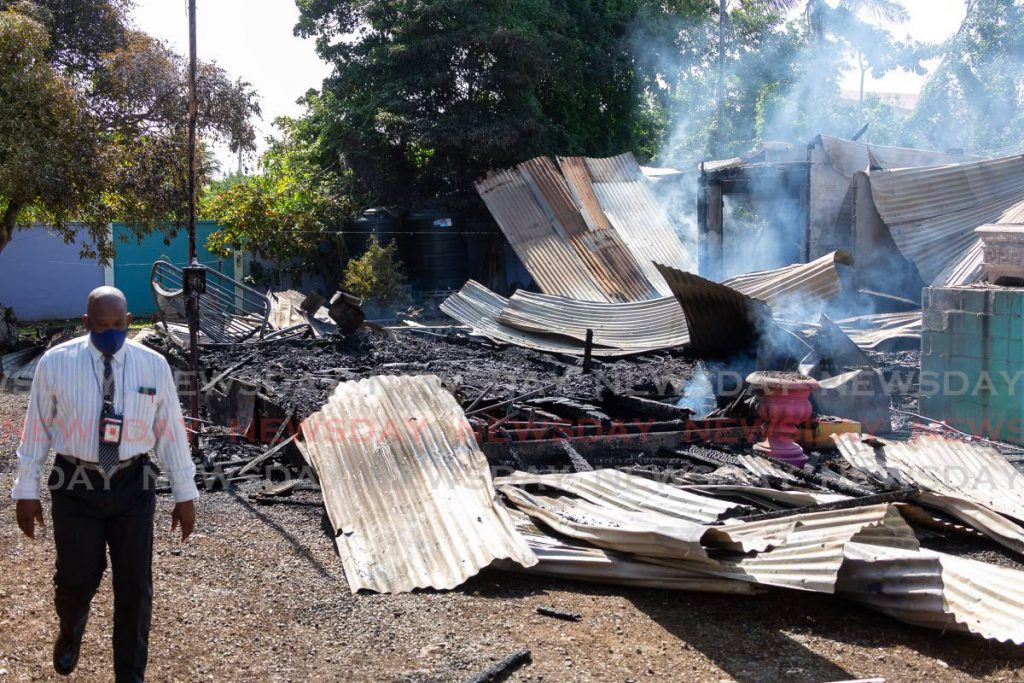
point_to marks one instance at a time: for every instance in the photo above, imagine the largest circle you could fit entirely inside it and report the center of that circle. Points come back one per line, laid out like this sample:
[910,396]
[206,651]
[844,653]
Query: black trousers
[92,513]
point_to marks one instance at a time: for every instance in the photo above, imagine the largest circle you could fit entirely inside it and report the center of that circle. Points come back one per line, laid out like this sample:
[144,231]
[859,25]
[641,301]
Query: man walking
[103,403]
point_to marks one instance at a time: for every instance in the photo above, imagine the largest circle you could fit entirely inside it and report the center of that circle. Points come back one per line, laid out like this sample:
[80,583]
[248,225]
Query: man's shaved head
[106,308]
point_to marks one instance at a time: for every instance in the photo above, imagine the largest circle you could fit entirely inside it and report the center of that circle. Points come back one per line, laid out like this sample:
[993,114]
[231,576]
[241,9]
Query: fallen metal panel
[936,590]
[617,187]
[568,559]
[636,326]
[616,489]
[848,156]
[480,308]
[552,263]
[650,534]
[408,492]
[932,212]
[945,466]
[721,320]
[992,524]
[613,269]
[545,322]
[870,331]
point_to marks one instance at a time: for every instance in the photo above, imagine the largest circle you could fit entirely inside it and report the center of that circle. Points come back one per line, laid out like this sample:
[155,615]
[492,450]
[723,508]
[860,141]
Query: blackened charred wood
[262,458]
[501,670]
[588,352]
[635,405]
[875,499]
[558,613]
[234,368]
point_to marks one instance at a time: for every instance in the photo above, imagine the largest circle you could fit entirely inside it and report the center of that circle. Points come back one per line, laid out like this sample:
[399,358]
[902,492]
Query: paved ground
[258,594]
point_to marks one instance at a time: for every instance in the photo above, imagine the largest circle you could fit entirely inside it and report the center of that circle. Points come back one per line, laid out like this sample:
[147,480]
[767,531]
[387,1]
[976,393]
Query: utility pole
[194,274]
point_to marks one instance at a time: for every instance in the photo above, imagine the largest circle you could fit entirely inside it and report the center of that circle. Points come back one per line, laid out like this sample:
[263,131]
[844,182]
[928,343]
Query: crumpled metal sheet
[480,308]
[624,195]
[617,489]
[567,559]
[407,490]
[932,212]
[849,156]
[590,234]
[936,590]
[645,533]
[871,331]
[969,482]
[944,466]
[547,323]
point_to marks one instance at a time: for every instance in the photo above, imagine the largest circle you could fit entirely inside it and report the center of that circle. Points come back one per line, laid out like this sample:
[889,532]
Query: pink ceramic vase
[783,402]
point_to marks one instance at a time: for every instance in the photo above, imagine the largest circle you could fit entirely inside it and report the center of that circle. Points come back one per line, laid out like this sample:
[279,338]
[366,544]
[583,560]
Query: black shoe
[65,654]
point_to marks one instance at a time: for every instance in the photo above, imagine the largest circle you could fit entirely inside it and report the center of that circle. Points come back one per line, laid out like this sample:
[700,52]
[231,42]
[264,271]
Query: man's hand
[184,513]
[29,512]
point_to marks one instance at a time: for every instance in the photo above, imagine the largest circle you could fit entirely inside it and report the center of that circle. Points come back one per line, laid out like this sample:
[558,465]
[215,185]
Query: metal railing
[229,312]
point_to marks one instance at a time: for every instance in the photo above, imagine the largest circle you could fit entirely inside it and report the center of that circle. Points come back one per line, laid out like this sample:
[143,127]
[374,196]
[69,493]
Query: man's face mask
[109,341]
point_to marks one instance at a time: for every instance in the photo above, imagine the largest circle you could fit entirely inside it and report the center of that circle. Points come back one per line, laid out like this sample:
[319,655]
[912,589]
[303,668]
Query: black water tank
[376,221]
[435,250]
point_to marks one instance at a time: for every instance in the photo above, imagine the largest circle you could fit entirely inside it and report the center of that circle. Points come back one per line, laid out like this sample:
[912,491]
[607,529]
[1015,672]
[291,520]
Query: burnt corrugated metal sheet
[849,156]
[636,326]
[721,320]
[932,212]
[936,590]
[945,466]
[590,234]
[617,188]
[550,260]
[870,331]
[480,308]
[568,559]
[408,491]
[645,533]
[546,322]
[617,489]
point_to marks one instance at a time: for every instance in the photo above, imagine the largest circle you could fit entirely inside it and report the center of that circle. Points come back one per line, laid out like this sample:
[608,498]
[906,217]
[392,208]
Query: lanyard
[99,382]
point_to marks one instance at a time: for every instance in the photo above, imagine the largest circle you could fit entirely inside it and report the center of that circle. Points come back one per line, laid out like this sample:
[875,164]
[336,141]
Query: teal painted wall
[135,259]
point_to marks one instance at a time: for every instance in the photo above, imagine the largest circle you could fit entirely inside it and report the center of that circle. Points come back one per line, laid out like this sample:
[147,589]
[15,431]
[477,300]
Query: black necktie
[109,452]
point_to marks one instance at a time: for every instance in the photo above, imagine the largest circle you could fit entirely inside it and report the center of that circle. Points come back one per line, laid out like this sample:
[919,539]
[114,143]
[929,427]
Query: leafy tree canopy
[428,95]
[94,126]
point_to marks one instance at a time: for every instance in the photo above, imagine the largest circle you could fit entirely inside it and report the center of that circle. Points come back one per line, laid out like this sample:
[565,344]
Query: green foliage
[974,100]
[288,210]
[377,274]
[425,97]
[93,126]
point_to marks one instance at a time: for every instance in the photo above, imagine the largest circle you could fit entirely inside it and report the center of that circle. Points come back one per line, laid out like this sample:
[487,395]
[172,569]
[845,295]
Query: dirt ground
[258,594]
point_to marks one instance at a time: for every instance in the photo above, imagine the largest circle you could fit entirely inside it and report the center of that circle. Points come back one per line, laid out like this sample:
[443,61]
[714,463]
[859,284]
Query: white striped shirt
[66,401]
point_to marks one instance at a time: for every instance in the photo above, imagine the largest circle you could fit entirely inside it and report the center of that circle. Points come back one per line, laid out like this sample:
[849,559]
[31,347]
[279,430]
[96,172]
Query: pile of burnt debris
[439,451]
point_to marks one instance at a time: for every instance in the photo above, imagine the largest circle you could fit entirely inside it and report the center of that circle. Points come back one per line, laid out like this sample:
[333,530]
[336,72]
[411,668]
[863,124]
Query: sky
[253,40]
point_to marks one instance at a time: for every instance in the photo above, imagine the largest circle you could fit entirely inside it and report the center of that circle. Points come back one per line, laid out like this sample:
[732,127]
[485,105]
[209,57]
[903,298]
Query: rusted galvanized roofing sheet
[528,225]
[617,489]
[945,466]
[613,269]
[932,212]
[408,492]
[721,320]
[618,189]
[936,590]
[479,308]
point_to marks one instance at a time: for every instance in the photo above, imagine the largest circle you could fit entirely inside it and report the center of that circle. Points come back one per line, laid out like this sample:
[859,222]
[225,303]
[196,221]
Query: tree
[376,274]
[290,211]
[94,123]
[779,6]
[426,97]
[974,100]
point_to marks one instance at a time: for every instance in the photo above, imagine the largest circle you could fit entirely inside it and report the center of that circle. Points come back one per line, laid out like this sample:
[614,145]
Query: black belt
[90,465]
